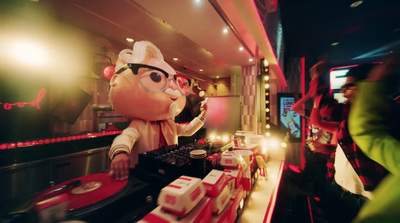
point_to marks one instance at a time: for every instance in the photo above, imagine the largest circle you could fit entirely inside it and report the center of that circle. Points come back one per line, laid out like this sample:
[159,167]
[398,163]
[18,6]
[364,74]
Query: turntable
[94,198]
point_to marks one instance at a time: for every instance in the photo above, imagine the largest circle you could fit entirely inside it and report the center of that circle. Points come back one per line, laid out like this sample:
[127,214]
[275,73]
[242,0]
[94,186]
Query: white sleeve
[125,141]
[189,129]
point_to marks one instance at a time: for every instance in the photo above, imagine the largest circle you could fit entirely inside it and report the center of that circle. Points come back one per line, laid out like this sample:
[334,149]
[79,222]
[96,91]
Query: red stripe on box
[184,178]
[195,194]
[205,214]
[178,213]
[174,186]
[154,218]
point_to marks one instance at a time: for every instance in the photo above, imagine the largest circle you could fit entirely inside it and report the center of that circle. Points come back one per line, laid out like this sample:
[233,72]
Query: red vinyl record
[92,190]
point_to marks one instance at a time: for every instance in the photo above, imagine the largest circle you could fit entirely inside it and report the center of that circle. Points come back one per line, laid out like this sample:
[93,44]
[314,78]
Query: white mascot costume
[147,90]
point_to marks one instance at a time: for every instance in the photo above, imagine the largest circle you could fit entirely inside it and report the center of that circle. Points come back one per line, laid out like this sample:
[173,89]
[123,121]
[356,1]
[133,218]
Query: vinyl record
[94,189]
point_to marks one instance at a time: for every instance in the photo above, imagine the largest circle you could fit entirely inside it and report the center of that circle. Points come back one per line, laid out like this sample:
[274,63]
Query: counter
[260,204]
[26,171]
[41,170]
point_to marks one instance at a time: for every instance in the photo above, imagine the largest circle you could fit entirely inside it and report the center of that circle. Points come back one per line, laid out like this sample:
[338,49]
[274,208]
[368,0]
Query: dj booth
[96,197]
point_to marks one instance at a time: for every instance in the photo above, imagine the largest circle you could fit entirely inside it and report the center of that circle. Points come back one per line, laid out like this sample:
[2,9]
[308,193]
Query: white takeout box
[252,147]
[232,160]
[237,174]
[214,182]
[247,155]
[228,215]
[200,214]
[182,195]
[246,180]
[218,203]
[237,197]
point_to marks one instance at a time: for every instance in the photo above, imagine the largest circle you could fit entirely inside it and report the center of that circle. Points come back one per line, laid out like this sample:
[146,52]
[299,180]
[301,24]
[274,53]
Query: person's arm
[315,118]
[366,121]
[367,128]
[120,152]
[318,147]
[297,107]
[198,122]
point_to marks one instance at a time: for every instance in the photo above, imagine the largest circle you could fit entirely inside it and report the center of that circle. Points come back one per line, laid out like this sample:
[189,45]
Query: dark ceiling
[365,33]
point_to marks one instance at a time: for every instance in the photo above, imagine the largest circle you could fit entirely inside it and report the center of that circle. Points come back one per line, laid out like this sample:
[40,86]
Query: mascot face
[149,91]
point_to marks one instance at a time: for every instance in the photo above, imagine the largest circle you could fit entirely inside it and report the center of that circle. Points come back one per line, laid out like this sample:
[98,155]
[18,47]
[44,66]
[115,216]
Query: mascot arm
[191,128]
[124,142]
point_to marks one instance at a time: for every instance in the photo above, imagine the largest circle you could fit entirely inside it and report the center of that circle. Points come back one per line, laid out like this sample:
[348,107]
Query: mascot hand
[119,167]
[203,107]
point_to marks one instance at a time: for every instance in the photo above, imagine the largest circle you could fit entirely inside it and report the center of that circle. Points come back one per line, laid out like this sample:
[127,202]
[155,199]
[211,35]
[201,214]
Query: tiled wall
[248,110]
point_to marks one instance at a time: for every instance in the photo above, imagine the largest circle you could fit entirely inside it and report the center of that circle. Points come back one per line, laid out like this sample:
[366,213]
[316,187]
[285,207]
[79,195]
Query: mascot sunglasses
[156,79]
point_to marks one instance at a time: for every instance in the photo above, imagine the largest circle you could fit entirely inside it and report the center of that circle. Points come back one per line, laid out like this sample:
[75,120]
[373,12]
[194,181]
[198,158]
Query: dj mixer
[171,162]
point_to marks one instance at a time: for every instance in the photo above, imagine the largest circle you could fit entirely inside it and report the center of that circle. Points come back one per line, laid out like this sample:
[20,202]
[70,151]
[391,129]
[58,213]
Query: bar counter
[27,171]
[261,203]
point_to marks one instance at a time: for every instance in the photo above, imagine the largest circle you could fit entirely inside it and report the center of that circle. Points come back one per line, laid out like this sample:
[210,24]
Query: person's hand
[384,71]
[203,107]
[119,167]
[318,69]
[315,146]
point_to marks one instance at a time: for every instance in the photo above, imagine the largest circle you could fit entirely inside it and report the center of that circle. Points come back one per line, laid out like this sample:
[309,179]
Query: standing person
[375,127]
[148,91]
[315,165]
[354,174]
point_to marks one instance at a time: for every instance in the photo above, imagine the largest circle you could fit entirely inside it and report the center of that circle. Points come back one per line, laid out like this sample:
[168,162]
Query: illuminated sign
[25,107]
[289,120]
[39,97]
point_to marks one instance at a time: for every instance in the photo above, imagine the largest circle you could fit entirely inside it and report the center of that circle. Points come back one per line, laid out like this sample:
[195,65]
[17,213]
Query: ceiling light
[334,44]
[355,4]
[175,59]
[241,48]
[251,60]
[201,70]
[217,77]
[130,40]
[225,30]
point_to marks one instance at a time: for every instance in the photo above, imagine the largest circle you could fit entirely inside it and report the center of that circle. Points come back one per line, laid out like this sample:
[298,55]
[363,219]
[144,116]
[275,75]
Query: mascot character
[148,91]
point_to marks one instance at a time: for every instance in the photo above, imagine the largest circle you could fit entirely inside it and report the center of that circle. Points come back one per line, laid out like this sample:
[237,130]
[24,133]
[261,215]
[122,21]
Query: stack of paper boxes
[216,184]
[216,198]
[183,200]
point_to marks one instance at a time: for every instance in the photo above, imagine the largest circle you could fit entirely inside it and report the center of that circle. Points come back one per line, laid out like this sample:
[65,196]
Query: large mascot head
[144,86]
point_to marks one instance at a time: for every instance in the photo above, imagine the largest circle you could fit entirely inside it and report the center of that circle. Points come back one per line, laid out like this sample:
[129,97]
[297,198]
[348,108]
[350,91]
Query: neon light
[303,126]
[56,140]
[39,97]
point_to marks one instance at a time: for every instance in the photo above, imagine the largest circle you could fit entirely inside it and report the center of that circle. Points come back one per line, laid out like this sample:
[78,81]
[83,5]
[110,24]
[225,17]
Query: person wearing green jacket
[374,126]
